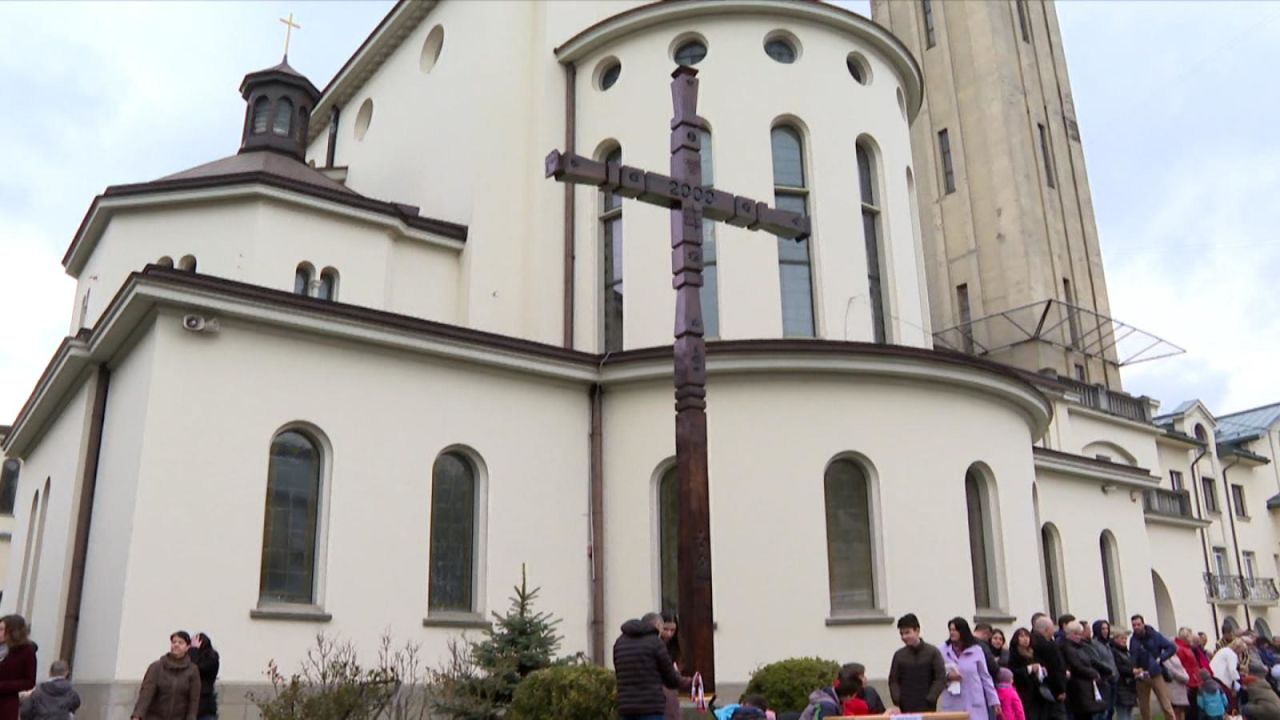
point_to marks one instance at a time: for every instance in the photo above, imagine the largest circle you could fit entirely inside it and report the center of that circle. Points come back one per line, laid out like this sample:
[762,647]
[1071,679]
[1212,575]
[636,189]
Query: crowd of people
[1063,669]
[178,686]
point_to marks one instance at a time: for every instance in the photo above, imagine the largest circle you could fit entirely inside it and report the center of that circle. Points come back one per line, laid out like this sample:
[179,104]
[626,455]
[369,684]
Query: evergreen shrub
[566,692]
[786,684]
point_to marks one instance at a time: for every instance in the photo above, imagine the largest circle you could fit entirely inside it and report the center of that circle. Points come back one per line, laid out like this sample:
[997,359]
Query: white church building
[353,377]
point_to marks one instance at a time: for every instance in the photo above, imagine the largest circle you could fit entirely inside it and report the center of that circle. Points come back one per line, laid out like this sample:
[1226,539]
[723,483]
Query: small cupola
[278,105]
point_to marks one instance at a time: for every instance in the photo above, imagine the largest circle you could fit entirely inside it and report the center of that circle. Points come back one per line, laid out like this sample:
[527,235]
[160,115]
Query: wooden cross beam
[690,202]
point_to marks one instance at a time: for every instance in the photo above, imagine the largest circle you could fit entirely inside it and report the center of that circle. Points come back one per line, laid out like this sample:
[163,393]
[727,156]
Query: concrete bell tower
[1011,246]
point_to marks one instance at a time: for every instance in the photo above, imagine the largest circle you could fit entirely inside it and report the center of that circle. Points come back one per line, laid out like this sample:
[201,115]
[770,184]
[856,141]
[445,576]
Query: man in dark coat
[1050,658]
[917,674]
[1149,649]
[644,668]
[1083,699]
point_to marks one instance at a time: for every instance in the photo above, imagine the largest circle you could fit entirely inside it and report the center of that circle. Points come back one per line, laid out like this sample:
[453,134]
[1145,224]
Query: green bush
[786,684]
[566,692]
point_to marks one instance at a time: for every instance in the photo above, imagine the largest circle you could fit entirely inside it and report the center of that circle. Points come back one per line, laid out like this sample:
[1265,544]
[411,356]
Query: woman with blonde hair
[1225,664]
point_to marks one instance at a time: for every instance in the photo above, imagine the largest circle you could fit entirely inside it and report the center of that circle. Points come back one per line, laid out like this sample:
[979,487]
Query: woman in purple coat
[969,685]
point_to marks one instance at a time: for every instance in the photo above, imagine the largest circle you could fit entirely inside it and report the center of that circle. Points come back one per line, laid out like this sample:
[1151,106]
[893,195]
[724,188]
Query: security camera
[196,323]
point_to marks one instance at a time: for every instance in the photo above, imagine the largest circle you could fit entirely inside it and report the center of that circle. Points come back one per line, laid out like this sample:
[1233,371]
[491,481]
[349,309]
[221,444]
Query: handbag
[1045,693]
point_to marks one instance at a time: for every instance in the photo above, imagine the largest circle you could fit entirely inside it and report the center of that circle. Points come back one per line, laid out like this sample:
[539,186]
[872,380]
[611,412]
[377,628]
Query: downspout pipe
[332,148]
[1235,542]
[84,516]
[1204,542]
[597,524]
[570,135]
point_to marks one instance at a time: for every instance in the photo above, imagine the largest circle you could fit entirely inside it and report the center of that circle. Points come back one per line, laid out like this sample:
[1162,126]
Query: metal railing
[1169,503]
[1112,402]
[1234,588]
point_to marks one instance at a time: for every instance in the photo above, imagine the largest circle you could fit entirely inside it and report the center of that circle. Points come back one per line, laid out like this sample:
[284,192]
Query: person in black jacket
[1083,697]
[643,668]
[206,660]
[1055,669]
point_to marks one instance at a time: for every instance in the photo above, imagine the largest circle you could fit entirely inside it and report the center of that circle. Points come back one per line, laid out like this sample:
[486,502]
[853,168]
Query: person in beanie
[917,674]
[171,685]
[643,668]
[53,699]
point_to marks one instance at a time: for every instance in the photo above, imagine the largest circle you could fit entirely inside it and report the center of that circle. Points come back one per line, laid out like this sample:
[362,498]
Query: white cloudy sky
[1175,103]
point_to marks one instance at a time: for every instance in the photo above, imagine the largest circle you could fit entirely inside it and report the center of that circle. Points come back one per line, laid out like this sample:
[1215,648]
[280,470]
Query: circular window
[607,73]
[691,52]
[431,48]
[858,68]
[781,47]
[363,118]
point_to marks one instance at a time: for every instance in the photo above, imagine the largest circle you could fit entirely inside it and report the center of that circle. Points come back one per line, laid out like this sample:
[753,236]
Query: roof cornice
[145,293]
[830,16]
[1087,468]
[246,185]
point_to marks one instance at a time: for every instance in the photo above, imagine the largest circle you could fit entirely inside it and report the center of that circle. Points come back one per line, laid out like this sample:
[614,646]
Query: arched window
[38,551]
[165,261]
[710,270]
[1230,625]
[451,577]
[669,539]
[850,555]
[1051,546]
[1111,586]
[872,237]
[981,540]
[791,193]
[611,249]
[302,279]
[29,549]
[261,115]
[284,117]
[1261,627]
[9,485]
[187,263]
[290,537]
[328,285]
[300,127]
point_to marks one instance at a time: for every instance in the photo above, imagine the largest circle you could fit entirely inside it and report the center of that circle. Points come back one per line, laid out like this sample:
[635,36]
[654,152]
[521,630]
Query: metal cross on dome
[690,202]
[290,26]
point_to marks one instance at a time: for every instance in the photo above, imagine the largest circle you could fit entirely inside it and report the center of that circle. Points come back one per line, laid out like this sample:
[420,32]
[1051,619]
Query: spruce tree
[520,642]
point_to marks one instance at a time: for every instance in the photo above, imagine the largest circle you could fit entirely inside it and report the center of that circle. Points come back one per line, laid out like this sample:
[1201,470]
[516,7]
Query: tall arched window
[302,279]
[9,485]
[261,115]
[850,554]
[290,536]
[872,237]
[710,270]
[328,289]
[1111,586]
[669,540]
[24,588]
[791,193]
[1262,629]
[38,551]
[981,540]
[284,117]
[1052,549]
[451,577]
[611,249]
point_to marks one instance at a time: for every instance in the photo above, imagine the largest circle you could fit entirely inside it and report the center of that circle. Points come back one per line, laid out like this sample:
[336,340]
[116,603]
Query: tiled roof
[1247,423]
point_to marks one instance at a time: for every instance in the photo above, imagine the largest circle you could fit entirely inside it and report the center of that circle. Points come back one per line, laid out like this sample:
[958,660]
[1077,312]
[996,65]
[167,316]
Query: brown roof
[260,162]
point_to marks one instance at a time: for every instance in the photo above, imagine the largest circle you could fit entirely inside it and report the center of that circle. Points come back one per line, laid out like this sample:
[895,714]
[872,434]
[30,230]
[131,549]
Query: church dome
[278,101]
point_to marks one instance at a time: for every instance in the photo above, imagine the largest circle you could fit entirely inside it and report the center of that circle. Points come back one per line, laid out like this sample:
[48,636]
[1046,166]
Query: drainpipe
[1231,513]
[570,131]
[332,148]
[597,524]
[1204,542]
[84,516]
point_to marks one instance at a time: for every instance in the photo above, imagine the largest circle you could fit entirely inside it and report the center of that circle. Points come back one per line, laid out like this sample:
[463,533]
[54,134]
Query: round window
[608,73]
[858,68]
[691,52]
[781,49]
[363,118]
[431,48]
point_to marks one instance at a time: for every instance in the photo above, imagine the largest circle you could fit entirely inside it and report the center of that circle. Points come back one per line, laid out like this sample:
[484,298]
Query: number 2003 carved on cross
[697,192]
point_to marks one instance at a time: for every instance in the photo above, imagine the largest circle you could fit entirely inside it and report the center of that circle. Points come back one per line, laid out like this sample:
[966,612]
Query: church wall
[263,242]
[1178,558]
[205,478]
[1081,511]
[1088,428]
[53,469]
[770,440]
[743,94]
[112,550]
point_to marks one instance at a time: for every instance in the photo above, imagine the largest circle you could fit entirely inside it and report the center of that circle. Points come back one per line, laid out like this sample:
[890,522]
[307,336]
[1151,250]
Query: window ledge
[473,621]
[865,617]
[299,613]
[993,616]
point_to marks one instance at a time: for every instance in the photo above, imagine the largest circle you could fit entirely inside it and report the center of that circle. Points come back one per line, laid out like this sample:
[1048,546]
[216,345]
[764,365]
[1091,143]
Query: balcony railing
[1237,589]
[1168,503]
[1111,402]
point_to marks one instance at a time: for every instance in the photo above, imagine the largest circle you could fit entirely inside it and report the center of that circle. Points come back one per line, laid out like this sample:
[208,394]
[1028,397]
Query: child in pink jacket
[1010,703]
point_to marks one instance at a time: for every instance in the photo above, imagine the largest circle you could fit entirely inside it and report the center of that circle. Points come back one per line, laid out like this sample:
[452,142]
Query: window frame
[1210,488]
[865,473]
[668,537]
[984,538]
[872,197]
[324,450]
[930,24]
[964,312]
[947,166]
[710,293]
[1176,481]
[1239,505]
[1046,156]
[800,192]
[609,216]
[471,461]
[1024,20]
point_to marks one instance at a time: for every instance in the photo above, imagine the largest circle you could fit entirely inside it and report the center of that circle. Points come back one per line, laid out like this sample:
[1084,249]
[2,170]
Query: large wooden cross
[689,202]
